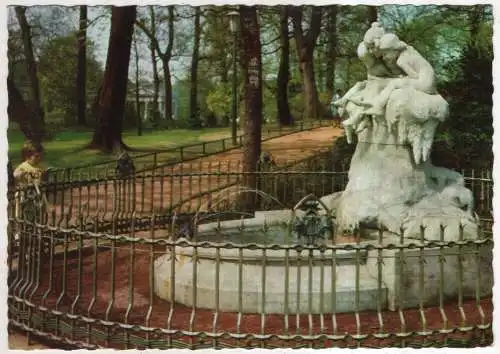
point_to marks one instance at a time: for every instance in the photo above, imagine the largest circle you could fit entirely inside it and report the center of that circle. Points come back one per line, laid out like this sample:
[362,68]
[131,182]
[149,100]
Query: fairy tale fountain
[393,188]
[392,182]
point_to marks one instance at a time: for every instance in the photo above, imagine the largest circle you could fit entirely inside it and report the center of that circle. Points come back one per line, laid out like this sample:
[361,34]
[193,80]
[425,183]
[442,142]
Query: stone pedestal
[414,276]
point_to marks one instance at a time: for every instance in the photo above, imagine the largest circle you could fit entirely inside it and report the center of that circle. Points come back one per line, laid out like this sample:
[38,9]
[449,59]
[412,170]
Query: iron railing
[178,154]
[99,271]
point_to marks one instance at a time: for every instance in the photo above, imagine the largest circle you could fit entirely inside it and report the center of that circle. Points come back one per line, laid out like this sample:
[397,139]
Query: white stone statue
[395,113]
[377,71]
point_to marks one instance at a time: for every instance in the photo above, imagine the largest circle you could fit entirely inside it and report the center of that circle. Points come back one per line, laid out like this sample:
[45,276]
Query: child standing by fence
[28,176]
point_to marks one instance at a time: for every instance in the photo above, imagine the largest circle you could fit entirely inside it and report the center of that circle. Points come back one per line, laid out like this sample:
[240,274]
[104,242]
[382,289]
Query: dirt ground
[188,192]
[153,311]
[20,342]
[283,149]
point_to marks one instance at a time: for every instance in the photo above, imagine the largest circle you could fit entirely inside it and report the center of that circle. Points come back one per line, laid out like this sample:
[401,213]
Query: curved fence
[188,260]
[179,154]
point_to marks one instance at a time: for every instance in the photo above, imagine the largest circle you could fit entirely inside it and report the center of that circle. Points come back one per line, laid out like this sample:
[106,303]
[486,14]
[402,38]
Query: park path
[188,181]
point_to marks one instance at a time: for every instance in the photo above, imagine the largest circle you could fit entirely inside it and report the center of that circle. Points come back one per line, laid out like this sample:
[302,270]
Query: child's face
[35,158]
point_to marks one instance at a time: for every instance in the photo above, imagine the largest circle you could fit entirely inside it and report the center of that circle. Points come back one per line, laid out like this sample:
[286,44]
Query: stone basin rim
[233,254]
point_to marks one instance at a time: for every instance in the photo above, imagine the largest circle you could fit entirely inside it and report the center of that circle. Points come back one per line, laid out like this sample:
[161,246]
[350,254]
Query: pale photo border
[4,149]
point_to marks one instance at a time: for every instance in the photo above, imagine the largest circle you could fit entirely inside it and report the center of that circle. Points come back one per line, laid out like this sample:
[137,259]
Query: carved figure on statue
[377,71]
[419,73]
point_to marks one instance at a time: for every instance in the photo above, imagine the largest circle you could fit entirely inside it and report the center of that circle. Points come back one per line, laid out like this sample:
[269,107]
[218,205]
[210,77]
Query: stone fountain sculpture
[392,182]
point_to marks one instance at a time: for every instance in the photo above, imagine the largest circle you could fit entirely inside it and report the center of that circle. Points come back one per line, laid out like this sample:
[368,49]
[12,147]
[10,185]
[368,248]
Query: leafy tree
[215,59]
[219,100]
[59,61]
[469,130]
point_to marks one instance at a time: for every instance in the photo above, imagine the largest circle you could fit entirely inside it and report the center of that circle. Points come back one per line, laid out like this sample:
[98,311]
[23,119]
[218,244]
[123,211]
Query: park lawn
[66,149]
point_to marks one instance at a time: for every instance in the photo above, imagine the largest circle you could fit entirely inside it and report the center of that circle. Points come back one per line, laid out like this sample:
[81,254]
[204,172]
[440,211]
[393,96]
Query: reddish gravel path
[156,194]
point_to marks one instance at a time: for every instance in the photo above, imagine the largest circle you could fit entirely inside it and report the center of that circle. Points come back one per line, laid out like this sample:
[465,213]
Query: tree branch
[168,52]
[150,35]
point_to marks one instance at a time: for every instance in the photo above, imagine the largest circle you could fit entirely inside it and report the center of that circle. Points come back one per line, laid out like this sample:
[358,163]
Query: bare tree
[165,56]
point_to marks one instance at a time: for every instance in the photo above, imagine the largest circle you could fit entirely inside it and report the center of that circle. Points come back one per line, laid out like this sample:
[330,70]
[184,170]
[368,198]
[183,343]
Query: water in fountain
[300,225]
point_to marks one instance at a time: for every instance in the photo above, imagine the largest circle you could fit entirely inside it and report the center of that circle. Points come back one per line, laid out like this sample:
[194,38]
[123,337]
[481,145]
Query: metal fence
[178,154]
[164,260]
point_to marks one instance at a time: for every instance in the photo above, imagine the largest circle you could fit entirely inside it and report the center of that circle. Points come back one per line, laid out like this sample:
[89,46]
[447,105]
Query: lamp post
[234,17]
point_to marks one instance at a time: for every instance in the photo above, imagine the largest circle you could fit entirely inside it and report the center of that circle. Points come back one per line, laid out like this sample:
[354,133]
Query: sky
[98,33]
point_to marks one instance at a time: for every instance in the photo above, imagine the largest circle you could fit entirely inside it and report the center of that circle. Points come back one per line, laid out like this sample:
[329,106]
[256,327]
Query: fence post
[223,144]
[241,140]
[155,160]
[204,148]
[182,153]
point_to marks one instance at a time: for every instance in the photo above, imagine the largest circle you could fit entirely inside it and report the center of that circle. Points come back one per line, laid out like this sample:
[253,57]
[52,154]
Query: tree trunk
[166,56]
[284,116]
[331,56]
[224,80]
[372,14]
[306,43]
[156,76]
[107,136]
[312,109]
[168,90]
[137,94]
[82,67]
[28,120]
[474,18]
[31,64]
[194,114]
[251,63]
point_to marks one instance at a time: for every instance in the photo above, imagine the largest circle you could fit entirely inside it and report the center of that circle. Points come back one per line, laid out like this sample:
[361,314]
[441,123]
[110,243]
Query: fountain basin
[280,282]
[300,280]
[271,280]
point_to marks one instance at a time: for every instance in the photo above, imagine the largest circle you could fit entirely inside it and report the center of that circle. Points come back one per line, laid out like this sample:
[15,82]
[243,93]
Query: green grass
[66,149]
